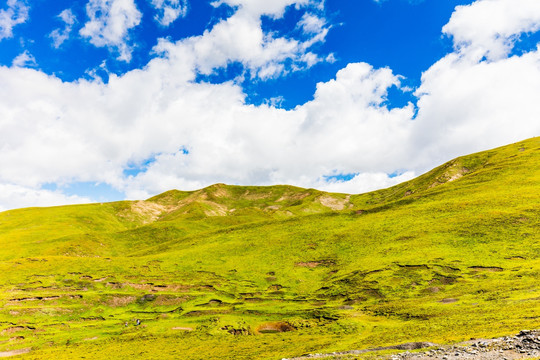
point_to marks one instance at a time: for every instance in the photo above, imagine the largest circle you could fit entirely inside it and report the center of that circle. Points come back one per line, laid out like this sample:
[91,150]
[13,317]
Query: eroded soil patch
[275,327]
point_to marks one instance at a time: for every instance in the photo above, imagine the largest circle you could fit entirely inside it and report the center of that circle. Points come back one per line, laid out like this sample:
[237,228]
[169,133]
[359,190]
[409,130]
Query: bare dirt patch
[454,171]
[14,352]
[486,268]
[201,197]
[443,280]
[515,258]
[182,328]
[36,298]
[314,264]
[221,191]
[333,203]
[12,330]
[166,300]
[448,301]
[293,196]
[16,339]
[138,286]
[119,301]
[249,196]
[158,288]
[145,211]
[215,209]
[409,266]
[275,327]
[114,285]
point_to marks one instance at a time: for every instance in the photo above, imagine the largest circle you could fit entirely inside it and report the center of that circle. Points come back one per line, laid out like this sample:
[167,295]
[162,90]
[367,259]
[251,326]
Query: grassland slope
[270,272]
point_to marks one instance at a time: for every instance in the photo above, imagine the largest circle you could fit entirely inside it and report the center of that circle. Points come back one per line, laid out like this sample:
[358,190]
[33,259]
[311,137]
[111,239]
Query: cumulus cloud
[275,8]
[265,145]
[169,10]
[187,134]
[241,39]
[315,27]
[312,24]
[468,103]
[15,196]
[24,59]
[60,35]
[490,27]
[77,136]
[109,25]
[467,106]
[15,14]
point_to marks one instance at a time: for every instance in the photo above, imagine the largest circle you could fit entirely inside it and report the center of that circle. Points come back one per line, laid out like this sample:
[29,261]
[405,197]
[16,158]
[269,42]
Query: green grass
[450,255]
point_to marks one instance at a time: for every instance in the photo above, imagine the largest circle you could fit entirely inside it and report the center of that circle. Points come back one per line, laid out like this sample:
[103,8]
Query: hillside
[274,272]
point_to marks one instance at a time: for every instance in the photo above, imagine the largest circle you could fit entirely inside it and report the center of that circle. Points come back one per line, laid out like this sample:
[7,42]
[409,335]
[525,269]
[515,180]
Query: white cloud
[89,131]
[60,132]
[15,196]
[315,27]
[24,59]
[363,183]
[241,38]
[169,10]
[312,24]
[466,104]
[490,27]
[234,143]
[15,14]
[109,25]
[275,8]
[59,36]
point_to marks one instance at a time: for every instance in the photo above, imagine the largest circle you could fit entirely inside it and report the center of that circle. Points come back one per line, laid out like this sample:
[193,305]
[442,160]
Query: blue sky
[111,99]
[404,35]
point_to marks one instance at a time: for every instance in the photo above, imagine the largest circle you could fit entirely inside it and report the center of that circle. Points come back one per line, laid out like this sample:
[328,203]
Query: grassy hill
[236,272]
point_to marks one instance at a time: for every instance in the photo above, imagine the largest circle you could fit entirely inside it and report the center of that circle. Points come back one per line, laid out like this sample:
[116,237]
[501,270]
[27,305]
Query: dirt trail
[13,352]
[525,345]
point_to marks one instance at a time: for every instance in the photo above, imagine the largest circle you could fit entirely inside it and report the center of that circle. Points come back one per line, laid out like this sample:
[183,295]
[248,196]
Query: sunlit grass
[451,255]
